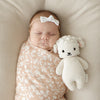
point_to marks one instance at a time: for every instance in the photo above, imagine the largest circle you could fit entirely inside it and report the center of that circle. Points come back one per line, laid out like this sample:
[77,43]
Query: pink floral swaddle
[36,78]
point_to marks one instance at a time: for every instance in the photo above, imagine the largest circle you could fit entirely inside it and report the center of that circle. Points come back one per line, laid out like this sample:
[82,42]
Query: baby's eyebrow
[37,31]
[51,32]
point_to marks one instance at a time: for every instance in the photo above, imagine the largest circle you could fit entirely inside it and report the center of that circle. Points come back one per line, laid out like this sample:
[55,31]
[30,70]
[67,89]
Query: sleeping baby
[36,77]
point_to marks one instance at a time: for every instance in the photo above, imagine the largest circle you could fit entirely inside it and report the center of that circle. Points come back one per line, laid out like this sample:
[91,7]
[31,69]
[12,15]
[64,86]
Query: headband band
[49,19]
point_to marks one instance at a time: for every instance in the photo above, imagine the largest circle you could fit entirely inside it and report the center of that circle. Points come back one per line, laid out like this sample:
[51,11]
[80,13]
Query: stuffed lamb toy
[72,67]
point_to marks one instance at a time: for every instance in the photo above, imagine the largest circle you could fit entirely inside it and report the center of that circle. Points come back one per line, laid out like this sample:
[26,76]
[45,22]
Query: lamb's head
[68,46]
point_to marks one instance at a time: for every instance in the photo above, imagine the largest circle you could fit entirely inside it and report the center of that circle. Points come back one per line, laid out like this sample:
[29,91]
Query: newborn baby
[36,69]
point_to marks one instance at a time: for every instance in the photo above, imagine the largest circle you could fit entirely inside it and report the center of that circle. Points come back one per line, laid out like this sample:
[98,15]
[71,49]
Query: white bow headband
[50,19]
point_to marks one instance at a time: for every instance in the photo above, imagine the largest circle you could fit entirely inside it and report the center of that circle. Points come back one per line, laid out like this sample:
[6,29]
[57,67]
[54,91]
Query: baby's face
[44,35]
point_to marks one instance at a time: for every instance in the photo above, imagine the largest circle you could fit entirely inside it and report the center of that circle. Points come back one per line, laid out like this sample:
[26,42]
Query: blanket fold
[36,77]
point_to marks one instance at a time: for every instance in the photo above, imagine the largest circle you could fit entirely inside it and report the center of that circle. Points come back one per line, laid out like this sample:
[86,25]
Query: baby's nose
[44,36]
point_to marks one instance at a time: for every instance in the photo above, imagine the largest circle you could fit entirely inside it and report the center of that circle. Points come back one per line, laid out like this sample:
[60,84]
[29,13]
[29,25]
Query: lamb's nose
[69,53]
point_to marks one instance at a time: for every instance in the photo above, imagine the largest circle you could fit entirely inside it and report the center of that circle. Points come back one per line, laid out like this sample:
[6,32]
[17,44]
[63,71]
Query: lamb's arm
[83,62]
[59,68]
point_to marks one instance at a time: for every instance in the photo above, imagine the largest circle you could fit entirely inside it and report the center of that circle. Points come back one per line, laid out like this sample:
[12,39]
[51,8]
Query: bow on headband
[50,19]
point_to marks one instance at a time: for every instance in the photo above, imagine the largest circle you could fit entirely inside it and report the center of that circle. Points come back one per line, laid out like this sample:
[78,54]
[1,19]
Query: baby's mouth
[44,44]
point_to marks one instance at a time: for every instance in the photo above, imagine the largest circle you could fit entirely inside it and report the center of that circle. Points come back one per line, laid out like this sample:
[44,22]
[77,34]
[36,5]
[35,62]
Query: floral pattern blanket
[36,78]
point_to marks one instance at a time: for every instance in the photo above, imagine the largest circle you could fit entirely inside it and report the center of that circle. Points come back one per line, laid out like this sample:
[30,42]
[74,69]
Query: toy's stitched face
[68,49]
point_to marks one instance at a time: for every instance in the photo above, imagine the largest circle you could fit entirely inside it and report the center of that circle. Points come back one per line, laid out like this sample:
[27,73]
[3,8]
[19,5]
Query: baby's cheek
[34,40]
[52,42]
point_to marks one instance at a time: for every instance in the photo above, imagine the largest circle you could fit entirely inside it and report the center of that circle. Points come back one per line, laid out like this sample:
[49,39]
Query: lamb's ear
[55,49]
[81,42]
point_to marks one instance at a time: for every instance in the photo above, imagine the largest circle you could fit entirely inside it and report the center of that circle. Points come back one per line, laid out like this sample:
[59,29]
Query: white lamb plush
[71,66]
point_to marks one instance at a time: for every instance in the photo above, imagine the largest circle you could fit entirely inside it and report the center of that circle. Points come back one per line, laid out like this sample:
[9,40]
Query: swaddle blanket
[36,77]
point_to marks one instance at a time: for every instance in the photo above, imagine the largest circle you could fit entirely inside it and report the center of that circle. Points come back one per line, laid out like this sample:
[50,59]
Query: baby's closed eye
[51,34]
[38,33]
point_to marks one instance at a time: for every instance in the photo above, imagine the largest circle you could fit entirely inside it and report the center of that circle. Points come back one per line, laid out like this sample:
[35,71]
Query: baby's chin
[46,47]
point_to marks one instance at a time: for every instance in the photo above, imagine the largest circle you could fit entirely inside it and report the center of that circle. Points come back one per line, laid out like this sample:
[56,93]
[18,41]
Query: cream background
[78,17]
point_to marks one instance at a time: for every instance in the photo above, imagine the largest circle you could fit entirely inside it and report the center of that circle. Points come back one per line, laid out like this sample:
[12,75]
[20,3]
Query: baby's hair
[44,11]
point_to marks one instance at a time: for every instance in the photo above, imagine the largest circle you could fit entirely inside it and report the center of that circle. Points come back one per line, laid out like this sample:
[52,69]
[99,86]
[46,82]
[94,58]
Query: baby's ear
[55,49]
[81,42]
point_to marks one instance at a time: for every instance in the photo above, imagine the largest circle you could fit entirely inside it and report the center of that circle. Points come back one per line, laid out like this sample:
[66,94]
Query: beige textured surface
[78,17]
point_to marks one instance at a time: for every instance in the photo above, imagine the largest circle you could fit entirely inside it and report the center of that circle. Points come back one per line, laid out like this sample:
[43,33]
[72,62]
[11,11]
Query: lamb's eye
[74,48]
[63,51]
